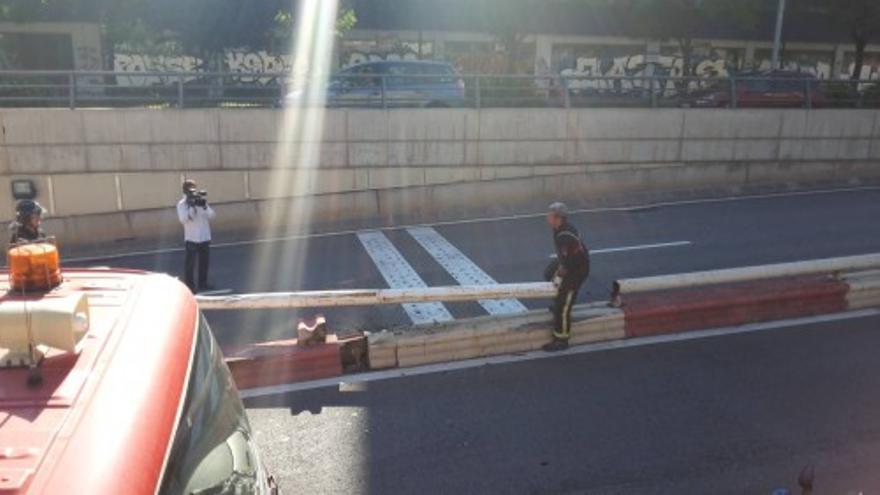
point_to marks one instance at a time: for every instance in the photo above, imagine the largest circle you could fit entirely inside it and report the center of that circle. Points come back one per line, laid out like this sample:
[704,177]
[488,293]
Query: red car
[769,89]
[111,382]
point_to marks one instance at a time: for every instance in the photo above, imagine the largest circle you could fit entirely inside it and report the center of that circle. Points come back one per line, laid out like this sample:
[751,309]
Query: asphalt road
[734,414]
[711,235]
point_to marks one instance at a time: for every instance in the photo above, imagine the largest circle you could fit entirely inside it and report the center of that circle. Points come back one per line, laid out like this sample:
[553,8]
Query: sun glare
[295,161]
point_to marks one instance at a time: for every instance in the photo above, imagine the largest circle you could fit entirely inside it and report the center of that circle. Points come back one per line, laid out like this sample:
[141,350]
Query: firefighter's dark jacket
[571,251]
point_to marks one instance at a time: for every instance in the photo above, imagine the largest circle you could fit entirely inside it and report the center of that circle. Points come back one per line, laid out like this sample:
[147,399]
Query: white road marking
[640,247]
[462,269]
[399,274]
[529,356]
[338,233]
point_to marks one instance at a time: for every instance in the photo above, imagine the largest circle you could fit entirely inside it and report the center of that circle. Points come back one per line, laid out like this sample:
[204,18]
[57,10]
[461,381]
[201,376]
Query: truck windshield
[213,450]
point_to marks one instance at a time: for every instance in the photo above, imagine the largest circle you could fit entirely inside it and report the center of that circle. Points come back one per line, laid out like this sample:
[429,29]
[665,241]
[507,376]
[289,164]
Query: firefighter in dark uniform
[26,227]
[573,267]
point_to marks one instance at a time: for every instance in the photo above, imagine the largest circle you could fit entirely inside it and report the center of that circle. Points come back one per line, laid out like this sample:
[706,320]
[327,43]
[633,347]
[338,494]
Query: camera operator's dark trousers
[566,295]
[202,251]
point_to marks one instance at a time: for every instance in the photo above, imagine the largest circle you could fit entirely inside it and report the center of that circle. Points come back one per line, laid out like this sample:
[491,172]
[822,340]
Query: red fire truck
[111,382]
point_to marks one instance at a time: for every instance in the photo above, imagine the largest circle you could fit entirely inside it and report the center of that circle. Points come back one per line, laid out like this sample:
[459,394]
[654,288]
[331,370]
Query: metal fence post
[180,91]
[652,87]
[281,92]
[384,100]
[732,92]
[808,93]
[71,90]
[563,81]
[477,96]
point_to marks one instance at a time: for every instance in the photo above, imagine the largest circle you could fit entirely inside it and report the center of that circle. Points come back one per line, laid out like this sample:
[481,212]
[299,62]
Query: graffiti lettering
[261,62]
[132,62]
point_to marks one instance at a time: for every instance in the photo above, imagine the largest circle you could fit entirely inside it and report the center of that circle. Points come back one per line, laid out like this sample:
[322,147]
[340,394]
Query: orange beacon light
[34,267]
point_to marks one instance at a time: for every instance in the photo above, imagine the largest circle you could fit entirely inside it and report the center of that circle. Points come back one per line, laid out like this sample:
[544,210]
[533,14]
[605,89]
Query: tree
[205,28]
[859,18]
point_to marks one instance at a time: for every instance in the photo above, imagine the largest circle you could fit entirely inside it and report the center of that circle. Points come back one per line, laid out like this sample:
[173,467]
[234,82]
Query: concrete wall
[115,174]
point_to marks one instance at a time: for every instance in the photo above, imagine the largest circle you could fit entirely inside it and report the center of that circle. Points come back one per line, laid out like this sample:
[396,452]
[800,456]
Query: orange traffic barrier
[670,311]
[284,361]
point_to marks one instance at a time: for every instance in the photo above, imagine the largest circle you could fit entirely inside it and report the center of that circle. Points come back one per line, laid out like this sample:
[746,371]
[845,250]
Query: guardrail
[76,89]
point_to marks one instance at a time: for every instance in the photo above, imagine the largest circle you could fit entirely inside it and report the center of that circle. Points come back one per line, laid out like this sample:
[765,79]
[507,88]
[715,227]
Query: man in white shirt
[195,214]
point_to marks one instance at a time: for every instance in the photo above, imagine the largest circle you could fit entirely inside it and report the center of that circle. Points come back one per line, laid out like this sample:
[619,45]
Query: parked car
[392,84]
[761,89]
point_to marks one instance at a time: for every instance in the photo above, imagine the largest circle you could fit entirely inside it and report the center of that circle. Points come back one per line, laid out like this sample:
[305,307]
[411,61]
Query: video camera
[196,198]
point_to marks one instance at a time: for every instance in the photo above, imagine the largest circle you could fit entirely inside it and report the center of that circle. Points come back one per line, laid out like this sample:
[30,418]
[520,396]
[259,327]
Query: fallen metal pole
[812,267]
[367,297]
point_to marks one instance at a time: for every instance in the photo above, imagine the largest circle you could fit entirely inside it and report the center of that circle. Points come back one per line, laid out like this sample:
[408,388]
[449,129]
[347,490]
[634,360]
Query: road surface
[733,414]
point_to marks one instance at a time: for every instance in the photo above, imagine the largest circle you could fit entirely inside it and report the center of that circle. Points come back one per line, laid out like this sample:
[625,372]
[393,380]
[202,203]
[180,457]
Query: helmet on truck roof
[27,208]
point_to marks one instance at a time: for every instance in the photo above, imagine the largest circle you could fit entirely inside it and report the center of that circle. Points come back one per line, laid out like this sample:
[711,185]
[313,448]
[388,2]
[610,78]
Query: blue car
[394,84]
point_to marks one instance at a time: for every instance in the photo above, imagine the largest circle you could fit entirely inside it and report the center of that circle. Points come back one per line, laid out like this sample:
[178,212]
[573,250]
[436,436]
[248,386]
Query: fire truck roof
[102,419]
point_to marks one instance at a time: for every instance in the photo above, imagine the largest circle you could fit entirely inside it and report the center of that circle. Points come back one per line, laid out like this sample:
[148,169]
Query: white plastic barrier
[682,280]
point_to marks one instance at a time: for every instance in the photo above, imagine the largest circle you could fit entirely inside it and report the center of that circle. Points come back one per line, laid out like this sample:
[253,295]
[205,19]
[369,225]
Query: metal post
[71,90]
[384,100]
[563,82]
[652,88]
[180,91]
[808,93]
[732,92]
[477,96]
[777,35]
[281,92]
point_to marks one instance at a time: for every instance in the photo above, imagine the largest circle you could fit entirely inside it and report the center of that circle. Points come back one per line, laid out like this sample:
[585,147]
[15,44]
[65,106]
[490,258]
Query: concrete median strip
[488,336]
[742,299]
[864,289]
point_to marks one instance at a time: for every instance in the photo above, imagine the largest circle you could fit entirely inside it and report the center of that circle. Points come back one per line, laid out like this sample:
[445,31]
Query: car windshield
[213,450]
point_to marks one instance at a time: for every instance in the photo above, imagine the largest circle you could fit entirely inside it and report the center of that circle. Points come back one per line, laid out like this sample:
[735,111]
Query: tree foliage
[201,27]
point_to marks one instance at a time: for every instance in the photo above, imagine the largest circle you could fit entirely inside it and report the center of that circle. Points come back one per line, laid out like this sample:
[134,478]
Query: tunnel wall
[115,174]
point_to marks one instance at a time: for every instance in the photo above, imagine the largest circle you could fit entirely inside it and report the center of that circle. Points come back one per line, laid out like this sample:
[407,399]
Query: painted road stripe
[374,376]
[399,274]
[630,208]
[462,269]
[640,247]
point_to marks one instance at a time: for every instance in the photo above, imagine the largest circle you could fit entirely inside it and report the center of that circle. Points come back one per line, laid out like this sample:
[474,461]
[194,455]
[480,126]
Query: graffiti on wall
[136,62]
[870,66]
[259,62]
[637,65]
[248,63]
[355,52]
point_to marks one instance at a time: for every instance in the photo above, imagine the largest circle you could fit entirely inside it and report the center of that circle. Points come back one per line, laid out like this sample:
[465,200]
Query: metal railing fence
[82,89]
